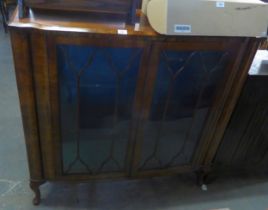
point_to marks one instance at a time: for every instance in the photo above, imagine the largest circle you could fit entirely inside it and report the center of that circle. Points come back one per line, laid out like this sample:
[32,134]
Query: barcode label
[137,27]
[122,31]
[220,4]
[183,29]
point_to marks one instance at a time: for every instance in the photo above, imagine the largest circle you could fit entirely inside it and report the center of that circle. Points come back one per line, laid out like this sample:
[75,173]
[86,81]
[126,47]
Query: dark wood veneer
[244,145]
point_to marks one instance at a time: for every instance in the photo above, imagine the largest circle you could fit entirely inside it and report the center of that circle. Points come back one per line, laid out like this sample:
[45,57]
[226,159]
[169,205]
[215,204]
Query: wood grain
[26,89]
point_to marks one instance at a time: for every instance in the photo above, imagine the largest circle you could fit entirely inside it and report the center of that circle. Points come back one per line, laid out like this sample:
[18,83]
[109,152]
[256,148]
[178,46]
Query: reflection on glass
[183,94]
[97,87]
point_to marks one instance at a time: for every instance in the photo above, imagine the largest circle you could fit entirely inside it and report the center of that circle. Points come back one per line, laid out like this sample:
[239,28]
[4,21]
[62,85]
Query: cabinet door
[96,81]
[182,84]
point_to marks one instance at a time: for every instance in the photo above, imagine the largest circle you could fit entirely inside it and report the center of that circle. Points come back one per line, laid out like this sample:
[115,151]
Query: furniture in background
[5,6]
[103,9]
[102,99]
[244,147]
[3,14]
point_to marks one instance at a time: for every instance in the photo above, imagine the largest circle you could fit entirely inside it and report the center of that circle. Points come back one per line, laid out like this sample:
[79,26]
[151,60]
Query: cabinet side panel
[43,100]
[23,68]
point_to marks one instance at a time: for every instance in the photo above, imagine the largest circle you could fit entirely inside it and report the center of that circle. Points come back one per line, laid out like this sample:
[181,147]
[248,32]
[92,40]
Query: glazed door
[97,83]
[117,107]
[181,87]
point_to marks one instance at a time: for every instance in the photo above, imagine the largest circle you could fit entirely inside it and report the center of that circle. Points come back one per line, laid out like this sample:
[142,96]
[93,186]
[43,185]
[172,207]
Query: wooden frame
[52,70]
[234,47]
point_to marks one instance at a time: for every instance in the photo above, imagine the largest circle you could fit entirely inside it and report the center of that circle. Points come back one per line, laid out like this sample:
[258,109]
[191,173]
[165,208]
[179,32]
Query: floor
[170,193]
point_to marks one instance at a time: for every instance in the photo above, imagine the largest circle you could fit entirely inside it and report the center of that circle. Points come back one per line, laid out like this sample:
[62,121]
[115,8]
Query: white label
[137,27]
[220,4]
[182,28]
[122,31]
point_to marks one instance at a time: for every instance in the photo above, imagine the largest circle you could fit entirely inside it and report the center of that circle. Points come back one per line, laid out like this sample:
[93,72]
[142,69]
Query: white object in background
[243,18]
[204,187]
[260,63]
[122,31]
[137,27]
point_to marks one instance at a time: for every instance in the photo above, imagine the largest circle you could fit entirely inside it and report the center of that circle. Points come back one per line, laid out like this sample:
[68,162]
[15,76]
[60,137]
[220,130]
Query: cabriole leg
[35,186]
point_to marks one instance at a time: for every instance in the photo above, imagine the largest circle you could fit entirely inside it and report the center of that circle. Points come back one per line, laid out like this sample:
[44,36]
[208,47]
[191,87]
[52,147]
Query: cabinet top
[80,23]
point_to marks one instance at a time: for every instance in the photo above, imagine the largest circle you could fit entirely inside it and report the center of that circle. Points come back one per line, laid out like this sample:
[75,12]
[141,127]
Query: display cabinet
[98,103]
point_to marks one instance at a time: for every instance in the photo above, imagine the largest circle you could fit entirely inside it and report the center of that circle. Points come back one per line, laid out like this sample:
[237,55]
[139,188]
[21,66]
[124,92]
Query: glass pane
[183,94]
[97,88]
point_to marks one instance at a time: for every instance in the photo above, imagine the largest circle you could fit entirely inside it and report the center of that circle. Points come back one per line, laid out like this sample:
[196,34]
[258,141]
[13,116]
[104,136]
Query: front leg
[201,177]
[35,185]
[205,176]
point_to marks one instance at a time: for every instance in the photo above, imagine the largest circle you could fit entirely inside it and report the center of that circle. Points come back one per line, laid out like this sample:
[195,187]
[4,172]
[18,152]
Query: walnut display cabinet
[100,104]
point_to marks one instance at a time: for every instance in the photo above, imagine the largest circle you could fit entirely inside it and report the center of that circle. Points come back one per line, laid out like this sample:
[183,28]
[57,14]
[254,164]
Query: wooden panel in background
[245,142]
